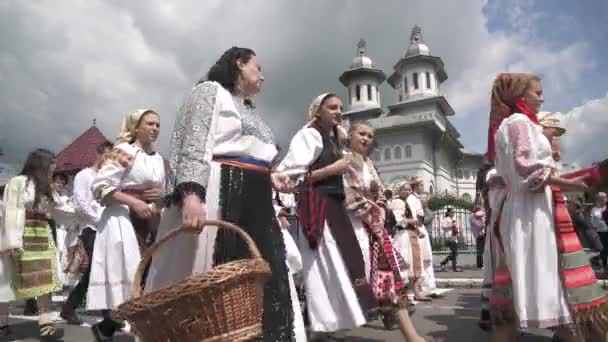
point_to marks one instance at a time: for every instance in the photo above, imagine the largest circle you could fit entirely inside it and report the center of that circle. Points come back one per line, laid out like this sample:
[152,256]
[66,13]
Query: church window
[369,92]
[405,84]
[350,97]
[387,154]
[358,92]
[459,174]
[428,80]
[408,151]
[466,197]
[415,80]
[398,152]
[467,174]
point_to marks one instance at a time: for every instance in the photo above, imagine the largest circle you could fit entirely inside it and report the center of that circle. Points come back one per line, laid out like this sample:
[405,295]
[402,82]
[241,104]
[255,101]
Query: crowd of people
[366,254]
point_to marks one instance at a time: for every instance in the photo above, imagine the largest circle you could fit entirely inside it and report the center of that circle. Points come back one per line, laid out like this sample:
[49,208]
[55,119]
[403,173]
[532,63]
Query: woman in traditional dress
[338,291]
[408,241]
[221,157]
[129,183]
[542,278]
[367,211]
[28,262]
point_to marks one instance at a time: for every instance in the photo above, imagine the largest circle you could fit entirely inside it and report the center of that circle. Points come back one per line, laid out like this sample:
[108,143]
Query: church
[414,136]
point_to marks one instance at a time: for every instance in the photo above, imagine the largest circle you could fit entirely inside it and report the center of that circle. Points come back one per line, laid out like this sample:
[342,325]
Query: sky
[64,63]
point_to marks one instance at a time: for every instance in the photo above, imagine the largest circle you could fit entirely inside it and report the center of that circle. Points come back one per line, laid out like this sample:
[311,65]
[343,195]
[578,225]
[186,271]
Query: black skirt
[246,200]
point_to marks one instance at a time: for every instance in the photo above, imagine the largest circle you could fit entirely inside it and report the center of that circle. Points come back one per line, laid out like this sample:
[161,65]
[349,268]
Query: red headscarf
[507,99]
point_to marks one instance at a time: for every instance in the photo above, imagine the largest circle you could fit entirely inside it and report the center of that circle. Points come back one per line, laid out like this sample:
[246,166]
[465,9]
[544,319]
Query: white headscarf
[312,113]
[129,124]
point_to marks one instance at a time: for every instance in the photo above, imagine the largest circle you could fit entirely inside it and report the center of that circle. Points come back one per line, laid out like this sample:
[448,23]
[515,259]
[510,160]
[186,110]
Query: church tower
[417,74]
[363,82]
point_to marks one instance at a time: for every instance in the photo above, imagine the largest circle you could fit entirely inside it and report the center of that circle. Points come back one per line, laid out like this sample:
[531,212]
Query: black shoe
[5,331]
[31,307]
[484,321]
[49,332]
[70,317]
[99,335]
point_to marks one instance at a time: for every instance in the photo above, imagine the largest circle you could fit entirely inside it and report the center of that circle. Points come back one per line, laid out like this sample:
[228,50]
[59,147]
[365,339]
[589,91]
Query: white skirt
[115,260]
[330,297]
[6,274]
[428,283]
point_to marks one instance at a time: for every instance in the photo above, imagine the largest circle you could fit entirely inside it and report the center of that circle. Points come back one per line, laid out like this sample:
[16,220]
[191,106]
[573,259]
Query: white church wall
[364,101]
[420,69]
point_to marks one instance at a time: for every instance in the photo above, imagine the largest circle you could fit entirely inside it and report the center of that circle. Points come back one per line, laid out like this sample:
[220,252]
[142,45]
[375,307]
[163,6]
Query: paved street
[452,318]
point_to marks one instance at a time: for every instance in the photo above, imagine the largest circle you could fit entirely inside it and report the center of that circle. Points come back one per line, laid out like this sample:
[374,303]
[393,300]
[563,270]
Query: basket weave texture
[223,304]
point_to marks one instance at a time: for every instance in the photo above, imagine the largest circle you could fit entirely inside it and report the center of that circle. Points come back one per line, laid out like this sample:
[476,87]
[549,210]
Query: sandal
[48,332]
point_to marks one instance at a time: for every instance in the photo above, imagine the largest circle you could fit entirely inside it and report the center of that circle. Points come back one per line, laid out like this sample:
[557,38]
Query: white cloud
[585,140]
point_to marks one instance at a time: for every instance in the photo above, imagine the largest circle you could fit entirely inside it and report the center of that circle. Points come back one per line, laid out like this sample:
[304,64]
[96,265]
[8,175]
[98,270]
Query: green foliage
[437,202]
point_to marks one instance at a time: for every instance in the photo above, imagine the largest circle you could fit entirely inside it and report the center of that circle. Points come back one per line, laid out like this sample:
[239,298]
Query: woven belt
[248,163]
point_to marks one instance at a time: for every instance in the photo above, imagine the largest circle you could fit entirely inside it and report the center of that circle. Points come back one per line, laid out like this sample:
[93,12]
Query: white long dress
[403,243]
[427,283]
[524,160]
[116,252]
[496,195]
[331,300]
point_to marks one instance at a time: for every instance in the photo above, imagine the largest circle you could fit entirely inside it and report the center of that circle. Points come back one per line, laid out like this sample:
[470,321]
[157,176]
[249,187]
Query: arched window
[466,197]
[350,96]
[405,84]
[369,92]
[467,174]
[428,80]
[431,189]
[358,92]
[415,80]
[377,95]
[459,174]
[397,152]
[408,151]
[387,154]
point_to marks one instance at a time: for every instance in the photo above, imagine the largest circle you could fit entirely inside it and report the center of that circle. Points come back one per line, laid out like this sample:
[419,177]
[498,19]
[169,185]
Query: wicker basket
[224,304]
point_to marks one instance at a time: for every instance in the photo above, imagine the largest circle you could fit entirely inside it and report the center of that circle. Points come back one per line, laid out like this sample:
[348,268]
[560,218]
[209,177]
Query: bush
[437,202]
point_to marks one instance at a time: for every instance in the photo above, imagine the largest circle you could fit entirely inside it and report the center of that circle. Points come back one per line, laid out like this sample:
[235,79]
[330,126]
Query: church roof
[81,152]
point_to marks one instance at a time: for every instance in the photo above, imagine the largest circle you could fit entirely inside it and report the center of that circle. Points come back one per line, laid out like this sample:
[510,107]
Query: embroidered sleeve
[113,170]
[191,143]
[354,191]
[534,172]
[13,220]
[304,149]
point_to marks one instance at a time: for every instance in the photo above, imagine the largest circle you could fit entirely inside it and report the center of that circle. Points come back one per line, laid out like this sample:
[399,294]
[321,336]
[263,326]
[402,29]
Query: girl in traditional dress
[28,262]
[542,278]
[338,291]
[367,211]
[221,155]
[129,182]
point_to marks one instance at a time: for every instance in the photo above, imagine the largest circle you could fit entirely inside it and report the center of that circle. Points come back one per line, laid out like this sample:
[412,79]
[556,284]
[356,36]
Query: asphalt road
[452,318]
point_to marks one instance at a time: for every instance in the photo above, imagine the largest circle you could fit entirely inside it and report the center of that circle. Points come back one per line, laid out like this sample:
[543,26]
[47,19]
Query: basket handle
[253,249]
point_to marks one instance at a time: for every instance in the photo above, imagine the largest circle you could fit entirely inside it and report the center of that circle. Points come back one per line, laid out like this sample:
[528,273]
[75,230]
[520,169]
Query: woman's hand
[340,167]
[151,194]
[281,182]
[141,208]
[194,212]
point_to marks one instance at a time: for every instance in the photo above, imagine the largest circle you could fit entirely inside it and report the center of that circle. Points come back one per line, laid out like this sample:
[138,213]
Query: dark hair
[101,148]
[225,71]
[449,211]
[61,176]
[36,168]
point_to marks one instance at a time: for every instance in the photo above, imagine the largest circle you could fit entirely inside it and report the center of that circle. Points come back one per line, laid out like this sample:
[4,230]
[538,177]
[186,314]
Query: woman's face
[148,129]
[361,139]
[534,96]
[251,76]
[330,113]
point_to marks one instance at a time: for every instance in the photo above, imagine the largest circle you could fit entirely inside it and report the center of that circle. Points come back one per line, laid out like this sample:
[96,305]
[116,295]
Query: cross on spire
[362,47]
[416,36]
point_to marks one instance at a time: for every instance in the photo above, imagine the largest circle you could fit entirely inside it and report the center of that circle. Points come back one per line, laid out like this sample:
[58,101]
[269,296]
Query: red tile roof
[81,152]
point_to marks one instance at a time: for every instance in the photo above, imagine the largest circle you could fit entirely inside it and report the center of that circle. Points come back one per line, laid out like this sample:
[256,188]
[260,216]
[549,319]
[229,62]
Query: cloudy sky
[64,63]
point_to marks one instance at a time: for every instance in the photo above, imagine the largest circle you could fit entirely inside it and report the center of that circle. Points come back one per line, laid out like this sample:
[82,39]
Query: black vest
[332,185]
